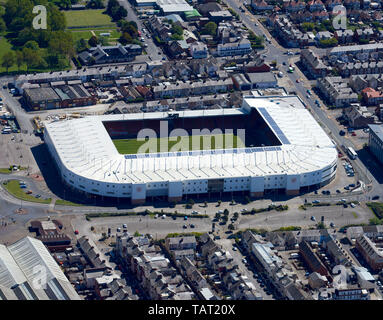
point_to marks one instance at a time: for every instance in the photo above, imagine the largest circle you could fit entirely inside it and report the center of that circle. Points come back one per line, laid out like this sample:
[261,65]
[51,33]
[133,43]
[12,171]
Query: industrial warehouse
[285,150]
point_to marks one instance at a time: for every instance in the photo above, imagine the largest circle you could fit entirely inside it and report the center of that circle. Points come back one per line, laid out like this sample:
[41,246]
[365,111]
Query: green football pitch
[201,142]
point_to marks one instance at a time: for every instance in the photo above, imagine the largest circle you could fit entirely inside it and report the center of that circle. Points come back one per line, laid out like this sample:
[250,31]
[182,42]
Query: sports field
[202,142]
[87,18]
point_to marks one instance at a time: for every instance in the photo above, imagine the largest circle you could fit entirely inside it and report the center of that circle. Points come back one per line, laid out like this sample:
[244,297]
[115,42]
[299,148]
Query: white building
[304,156]
[29,272]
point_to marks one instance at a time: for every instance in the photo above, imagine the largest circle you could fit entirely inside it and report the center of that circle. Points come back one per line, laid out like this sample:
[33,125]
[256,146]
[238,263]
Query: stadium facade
[290,152]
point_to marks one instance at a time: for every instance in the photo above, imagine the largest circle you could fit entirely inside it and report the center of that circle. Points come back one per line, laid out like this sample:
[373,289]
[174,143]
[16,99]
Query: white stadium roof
[86,149]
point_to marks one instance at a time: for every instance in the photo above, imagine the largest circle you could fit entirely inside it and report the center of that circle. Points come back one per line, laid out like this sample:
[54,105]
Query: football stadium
[269,144]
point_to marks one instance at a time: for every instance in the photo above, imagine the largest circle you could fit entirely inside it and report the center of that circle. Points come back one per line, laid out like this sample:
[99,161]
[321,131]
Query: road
[154,52]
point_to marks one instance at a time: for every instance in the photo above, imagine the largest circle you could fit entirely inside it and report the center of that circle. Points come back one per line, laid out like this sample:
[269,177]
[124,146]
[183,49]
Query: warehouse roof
[19,264]
[41,94]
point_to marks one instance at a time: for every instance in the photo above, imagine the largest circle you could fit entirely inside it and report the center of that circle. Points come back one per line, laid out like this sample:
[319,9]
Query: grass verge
[13,187]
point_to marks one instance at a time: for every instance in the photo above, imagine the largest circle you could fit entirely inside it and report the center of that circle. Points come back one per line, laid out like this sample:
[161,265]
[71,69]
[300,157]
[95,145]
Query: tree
[225,212]
[8,60]
[61,43]
[236,215]
[231,227]
[81,45]
[19,59]
[31,58]
[325,43]
[111,4]
[307,26]
[103,41]
[134,24]
[3,27]
[64,4]
[375,221]
[32,45]
[219,202]
[125,38]
[121,13]
[95,4]
[93,41]
[176,29]
[209,28]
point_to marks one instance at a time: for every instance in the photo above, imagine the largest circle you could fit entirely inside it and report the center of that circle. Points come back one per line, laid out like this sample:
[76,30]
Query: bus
[351,152]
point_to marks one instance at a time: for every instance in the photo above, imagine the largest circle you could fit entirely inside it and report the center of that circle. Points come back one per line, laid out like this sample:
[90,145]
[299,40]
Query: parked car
[125,226]
[342,133]
[375,197]
[184,226]
[313,218]
[192,226]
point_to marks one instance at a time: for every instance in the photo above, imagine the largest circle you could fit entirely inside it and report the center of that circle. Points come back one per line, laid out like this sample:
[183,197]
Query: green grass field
[13,187]
[205,142]
[67,203]
[86,34]
[87,18]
